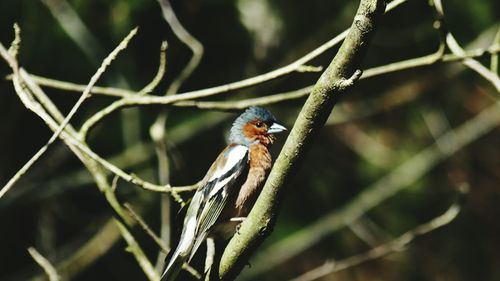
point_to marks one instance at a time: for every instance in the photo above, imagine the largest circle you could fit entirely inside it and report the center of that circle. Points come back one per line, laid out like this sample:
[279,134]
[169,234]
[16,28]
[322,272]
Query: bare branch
[86,93]
[159,74]
[296,65]
[158,131]
[194,45]
[146,228]
[311,119]
[164,248]
[77,145]
[242,104]
[45,264]
[73,87]
[399,178]
[457,50]
[235,105]
[396,245]
[15,45]
[426,60]
[72,112]
[69,136]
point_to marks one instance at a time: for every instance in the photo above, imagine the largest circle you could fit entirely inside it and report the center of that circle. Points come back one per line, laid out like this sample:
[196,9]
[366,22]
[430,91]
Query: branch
[73,87]
[457,50]
[426,60]
[146,228]
[340,73]
[93,80]
[399,178]
[72,112]
[242,104]
[194,45]
[158,128]
[297,65]
[71,140]
[69,86]
[181,101]
[159,74]
[45,264]
[397,245]
[69,136]
[164,248]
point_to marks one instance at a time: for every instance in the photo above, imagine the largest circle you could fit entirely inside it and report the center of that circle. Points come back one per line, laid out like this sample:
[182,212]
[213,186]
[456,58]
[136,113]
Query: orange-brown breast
[259,166]
[242,202]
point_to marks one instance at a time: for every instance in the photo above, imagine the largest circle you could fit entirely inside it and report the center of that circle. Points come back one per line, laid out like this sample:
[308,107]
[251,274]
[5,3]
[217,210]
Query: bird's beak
[275,128]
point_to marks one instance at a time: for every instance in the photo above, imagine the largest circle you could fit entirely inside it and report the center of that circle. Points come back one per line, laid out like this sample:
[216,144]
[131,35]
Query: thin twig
[158,128]
[159,74]
[73,87]
[15,45]
[76,29]
[134,248]
[164,248]
[99,177]
[209,258]
[294,66]
[457,50]
[68,135]
[69,86]
[473,64]
[45,264]
[296,94]
[93,80]
[82,98]
[242,104]
[182,34]
[132,156]
[396,245]
[426,60]
[73,142]
[399,178]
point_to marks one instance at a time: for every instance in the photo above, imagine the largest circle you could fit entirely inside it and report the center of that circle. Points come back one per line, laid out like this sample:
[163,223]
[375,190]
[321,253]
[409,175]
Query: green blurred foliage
[56,207]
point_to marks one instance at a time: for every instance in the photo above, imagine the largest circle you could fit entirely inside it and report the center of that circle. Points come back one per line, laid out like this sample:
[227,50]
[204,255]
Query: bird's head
[254,125]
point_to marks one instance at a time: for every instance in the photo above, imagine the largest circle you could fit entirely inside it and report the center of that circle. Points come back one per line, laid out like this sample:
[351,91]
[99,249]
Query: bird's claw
[240,220]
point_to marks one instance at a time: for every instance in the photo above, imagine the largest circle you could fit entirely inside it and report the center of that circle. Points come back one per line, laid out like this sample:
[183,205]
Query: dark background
[56,207]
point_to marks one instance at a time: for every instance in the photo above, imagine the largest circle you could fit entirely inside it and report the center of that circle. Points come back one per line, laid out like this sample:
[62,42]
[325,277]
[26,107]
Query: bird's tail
[174,267]
[180,255]
[185,246]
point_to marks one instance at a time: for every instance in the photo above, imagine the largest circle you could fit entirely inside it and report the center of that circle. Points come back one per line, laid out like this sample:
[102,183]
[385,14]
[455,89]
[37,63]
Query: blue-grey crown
[252,113]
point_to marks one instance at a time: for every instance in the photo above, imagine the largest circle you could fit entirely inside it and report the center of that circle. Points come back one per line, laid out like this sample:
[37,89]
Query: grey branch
[310,120]
[395,245]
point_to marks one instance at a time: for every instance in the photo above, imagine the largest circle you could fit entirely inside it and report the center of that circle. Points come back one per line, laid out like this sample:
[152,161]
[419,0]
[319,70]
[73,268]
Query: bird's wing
[220,182]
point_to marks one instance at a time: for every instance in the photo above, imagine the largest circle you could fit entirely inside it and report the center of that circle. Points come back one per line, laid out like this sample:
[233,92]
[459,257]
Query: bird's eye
[259,124]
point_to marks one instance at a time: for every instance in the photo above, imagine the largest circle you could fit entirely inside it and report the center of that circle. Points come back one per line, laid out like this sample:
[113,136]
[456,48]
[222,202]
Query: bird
[230,187]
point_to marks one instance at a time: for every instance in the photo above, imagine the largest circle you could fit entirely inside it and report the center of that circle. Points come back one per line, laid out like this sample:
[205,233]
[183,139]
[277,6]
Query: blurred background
[382,123]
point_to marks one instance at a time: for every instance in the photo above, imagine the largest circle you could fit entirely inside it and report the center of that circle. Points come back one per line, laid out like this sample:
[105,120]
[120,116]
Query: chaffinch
[230,187]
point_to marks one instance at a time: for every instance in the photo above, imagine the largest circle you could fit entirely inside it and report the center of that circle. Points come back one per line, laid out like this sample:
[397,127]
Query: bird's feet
[240,220]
